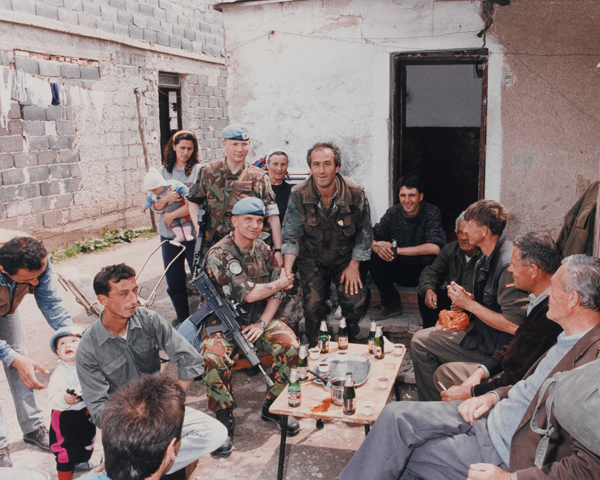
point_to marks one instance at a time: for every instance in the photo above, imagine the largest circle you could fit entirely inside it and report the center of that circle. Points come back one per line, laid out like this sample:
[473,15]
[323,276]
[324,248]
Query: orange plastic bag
[449,320]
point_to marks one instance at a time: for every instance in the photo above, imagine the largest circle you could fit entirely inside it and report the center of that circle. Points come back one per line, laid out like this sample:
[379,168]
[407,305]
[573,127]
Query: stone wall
[67,173]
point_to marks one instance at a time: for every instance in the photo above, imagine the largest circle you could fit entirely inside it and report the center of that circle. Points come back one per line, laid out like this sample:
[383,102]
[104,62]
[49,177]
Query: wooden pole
[596,251]
[138,101]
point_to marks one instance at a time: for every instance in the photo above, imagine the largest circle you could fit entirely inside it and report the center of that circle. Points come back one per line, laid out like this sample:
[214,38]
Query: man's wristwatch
[263,324]
[277,250]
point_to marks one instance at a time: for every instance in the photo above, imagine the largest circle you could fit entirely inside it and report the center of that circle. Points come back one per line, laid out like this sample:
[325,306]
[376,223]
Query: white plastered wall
[324,73]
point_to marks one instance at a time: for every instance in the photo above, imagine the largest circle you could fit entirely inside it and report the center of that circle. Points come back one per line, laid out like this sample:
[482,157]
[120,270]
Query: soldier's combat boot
[292,424]
[225,416]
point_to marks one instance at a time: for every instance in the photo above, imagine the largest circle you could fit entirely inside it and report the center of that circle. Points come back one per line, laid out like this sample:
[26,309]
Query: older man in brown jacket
[489,437]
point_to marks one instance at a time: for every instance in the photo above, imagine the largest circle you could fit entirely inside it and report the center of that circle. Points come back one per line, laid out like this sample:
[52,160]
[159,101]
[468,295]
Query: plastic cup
[367,408]
[383,382]
[399,349]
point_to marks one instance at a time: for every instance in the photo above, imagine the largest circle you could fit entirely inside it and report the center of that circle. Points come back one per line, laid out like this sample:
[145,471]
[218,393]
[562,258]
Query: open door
[169,106]
[439,123]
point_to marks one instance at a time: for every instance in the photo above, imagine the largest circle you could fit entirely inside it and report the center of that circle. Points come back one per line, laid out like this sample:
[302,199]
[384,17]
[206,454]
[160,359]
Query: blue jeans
[29,412]
[176,279]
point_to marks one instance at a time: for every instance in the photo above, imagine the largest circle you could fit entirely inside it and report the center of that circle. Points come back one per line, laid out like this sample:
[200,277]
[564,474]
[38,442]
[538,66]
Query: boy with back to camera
[72,432]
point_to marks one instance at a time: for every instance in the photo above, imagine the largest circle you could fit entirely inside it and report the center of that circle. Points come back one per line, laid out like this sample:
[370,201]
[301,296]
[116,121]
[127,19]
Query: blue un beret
[249,206]
[235,131]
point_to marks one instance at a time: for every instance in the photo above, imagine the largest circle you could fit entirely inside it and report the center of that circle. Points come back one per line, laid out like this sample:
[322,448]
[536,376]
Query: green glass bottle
[303,361]
[294,394]
[379,343]
[323,337]
[343,335]
[371,339]
[349,395]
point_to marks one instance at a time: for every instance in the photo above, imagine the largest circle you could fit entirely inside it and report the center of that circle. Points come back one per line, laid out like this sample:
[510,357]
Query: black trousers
[176,278]
[404,271]
[430,315]
[71,438]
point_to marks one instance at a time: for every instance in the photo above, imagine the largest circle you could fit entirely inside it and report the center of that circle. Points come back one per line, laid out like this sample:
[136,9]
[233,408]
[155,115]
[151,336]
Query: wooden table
[315,399]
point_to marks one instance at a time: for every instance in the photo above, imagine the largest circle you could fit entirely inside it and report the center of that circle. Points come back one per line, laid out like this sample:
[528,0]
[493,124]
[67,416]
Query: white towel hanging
[5,94]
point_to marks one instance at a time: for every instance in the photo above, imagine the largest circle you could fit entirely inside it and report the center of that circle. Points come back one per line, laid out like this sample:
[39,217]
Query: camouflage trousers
[315,279]
[278,339]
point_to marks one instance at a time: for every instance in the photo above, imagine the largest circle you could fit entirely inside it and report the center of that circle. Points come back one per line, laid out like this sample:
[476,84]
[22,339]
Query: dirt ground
[312,454]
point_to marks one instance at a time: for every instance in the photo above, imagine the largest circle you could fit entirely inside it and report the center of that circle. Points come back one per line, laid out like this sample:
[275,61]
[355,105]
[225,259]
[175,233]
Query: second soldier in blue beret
[242,268]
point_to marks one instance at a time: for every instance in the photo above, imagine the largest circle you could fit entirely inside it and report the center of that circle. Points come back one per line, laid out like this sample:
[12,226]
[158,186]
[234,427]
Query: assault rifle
[227,311]
[202,221]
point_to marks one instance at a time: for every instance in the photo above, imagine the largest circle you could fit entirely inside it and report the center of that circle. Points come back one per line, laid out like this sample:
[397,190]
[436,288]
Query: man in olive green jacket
[455,262]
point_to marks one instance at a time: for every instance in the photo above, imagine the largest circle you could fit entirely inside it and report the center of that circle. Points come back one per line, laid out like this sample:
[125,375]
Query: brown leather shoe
[5,461]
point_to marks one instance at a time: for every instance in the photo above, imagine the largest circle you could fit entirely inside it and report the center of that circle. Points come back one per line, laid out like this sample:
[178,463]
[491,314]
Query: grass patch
[108,238]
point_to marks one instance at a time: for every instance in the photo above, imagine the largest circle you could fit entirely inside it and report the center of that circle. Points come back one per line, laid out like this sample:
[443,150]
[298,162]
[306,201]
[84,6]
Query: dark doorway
[169,106]
[439,120]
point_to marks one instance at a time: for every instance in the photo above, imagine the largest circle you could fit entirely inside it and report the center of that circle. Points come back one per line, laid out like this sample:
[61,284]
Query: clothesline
[22,86]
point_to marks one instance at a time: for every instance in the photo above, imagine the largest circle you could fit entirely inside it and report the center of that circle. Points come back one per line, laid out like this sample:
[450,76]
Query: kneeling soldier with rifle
[241,267]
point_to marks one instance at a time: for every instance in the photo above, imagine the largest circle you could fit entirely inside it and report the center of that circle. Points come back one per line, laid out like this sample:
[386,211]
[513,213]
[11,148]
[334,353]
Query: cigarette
[442,386]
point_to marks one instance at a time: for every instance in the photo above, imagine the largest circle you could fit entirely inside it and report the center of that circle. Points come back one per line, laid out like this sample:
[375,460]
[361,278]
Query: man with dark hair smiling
[123,344]
[416,226]
[25,268]
[141,430]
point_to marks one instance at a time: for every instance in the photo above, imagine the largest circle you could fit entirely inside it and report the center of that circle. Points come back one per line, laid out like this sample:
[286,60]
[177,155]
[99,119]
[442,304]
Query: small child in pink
[72,432]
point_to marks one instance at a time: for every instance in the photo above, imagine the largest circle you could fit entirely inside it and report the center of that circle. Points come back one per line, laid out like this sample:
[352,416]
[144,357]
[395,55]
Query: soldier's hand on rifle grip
[253,332]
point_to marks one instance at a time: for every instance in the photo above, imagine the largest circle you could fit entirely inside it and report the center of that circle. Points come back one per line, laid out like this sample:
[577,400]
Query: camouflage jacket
[214,184]
[235,272]
[344,230]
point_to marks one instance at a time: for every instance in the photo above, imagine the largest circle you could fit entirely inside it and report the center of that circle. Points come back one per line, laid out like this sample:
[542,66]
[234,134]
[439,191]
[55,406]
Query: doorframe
[398,113]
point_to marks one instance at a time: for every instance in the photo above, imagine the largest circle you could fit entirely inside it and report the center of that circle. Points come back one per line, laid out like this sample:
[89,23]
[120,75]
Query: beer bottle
[303,362]
[294,395]
[349,395]
[371,339]
[394,249]
[343,335]
[323,338]
[379,343]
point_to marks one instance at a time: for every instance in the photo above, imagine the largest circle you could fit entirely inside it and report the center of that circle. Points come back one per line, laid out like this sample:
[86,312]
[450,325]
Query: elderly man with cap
[223,183]
[25,268]
[241,266]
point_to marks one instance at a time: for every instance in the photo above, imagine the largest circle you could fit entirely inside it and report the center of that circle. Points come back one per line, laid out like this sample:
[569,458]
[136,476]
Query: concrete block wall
[185,24]
[208,115]
[66,174]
